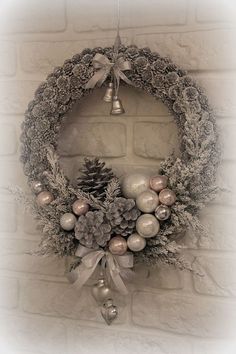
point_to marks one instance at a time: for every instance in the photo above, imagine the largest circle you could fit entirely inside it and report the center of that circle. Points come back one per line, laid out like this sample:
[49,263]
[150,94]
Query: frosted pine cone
[92,230]
[122,215]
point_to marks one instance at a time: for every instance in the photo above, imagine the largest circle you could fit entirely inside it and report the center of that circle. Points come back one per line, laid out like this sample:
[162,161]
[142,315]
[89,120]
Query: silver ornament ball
[147,226]
[118,245]
[44,198]
[67,221]
[80,207]
[37,187]
[159,182]
[109,311]
[136,243]
[167,197]
[147,201]
[101,292]
[134,184]
[162,212]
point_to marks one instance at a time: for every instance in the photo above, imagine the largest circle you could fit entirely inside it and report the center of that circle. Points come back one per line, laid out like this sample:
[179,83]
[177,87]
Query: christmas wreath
[102,219]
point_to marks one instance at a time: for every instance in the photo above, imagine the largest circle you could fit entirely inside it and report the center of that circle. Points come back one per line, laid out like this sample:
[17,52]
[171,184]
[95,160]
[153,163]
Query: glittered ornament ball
[80,207]
[159,182]
[134,184]
[67,221]
[167,197]
[147,226]
[147,201]
[44,198]
[37,187]
[118,245]
[136,242]
[162,212]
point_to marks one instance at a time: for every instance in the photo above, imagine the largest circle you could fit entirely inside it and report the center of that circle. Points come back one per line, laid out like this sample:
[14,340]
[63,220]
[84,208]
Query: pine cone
[122,215]
[95,178]
[92,230]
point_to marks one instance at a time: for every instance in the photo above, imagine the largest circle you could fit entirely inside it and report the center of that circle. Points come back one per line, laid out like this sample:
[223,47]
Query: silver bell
[117,107]
[109,93]
[109,311]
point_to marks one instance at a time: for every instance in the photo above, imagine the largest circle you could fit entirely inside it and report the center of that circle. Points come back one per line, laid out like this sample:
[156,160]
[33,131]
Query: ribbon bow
[104,66]
[89,262]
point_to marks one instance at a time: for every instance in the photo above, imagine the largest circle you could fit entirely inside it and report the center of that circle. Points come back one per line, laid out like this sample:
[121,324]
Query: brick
[9,293]
[156,14]
[194,50]
[218,276]
[228,138]
[7,58]
[63,300]
[32,335]
[13,174]
[32,16]
[30,224]
[15,96]
[42,57]
[85,339]
[94,139]
[215,11]
[7,139]
[226,181]
[8,222]
[214,347]
[15,257]
[184,314]
[155,140]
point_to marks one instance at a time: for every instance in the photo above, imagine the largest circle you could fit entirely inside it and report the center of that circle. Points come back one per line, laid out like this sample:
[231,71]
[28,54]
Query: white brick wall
[167,311]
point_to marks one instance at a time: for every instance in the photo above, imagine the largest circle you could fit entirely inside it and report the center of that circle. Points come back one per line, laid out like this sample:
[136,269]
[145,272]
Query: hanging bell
[117,107]
[109,93]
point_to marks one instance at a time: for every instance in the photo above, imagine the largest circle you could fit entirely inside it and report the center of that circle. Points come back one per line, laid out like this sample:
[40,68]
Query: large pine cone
[122,214]
[92,230]
[95,177]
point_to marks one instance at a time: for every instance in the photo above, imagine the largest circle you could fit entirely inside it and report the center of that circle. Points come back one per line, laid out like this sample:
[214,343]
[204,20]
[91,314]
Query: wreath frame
[191,175]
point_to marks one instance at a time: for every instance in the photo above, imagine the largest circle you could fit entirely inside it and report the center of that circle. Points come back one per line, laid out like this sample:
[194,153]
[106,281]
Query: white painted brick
[30,224]
[215,11]
[184,314]
[214,347]
[194,50]
[9,292]
[228,139]
[32,335]
[32,16]
[8,222]
[104,16]
[226,181]
[7,58]
[155,140]
[218,276]
[7,139]
[63,300]
[85,339]
[15,95]
[15,257]
[93,139]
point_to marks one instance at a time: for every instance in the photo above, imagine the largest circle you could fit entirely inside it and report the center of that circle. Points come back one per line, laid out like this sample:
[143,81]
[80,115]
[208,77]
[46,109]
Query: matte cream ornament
[118,245]
[67,221]
[109,311]
[134,184]
[162,212]
[44,198]
[147,226]
[37,186]
[167,197]
[80,207]
[147,201]
[101,292]
[136,242]
[159,182]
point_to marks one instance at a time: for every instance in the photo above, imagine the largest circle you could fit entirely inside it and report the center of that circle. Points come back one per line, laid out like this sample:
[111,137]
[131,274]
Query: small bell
[117,107]
[109,311]
[109,93]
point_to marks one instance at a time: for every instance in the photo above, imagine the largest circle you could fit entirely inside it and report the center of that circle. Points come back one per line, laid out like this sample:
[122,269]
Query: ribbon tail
[123,77]
[97,79]
[117,280]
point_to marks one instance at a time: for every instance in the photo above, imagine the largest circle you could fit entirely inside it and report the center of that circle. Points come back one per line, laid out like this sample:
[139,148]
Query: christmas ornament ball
[101,292]
[147,201]
[80,207]
[44,198]
[167,197]
[67,221]
[136,242]
[162,212]
[159,182]
[118,245]
[37,187]
[147,226]
[134,184]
